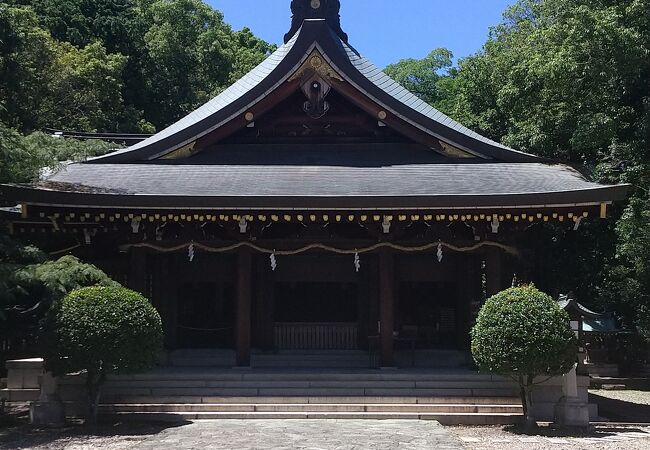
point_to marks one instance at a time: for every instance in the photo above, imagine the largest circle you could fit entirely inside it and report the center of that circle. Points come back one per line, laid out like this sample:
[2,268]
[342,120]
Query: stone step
[306,392]
[19,395]
[255,375]
[282,384]
[314,400]
[311,363]
[443,418]
[310,408]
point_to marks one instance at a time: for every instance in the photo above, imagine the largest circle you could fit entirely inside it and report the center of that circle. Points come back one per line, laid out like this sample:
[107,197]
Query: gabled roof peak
[302,10]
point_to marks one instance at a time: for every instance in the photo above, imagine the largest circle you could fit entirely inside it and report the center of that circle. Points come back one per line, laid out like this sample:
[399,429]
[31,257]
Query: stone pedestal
[571,411]
[24,373]
[48,411]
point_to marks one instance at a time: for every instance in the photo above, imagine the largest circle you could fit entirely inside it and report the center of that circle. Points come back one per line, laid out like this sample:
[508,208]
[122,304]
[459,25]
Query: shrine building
[315,205]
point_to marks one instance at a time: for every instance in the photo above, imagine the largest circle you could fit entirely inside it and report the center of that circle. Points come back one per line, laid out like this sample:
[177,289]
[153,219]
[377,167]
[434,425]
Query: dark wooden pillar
[386,306]
[137,277]
[244,269]
[169,299]
[494,273]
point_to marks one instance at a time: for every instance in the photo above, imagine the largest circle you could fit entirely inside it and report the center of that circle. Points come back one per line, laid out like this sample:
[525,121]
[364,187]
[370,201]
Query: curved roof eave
[278,67]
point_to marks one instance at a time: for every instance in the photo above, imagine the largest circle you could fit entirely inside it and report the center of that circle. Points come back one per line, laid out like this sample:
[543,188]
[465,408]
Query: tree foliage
[102,330]
[52,280]
[428,78]
[22,158]
[14,256]
[32,284]
[524,334]
[47,83]
[117,65]
[29,285]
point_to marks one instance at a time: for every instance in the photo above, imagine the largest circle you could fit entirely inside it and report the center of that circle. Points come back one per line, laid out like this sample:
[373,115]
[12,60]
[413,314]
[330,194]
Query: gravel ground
[638,397]
[145,436]
[505,438]
[243,435]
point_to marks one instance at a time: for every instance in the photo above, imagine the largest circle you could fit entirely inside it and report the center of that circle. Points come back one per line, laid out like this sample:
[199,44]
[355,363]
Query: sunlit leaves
[523,331]
[103,329]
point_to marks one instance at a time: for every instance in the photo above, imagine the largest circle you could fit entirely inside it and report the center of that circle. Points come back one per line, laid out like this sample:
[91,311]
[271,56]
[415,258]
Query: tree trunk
[94,382]
[525,392]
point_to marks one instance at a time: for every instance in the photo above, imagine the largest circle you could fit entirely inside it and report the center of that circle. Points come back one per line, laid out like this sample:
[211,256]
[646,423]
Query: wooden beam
[386,306]
[244,268]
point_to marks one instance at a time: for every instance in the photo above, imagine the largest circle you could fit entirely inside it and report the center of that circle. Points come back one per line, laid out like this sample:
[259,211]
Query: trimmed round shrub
[104,328]
[523,333]
[100,330]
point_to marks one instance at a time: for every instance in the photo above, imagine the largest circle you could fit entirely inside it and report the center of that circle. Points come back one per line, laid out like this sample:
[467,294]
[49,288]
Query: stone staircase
[192,393]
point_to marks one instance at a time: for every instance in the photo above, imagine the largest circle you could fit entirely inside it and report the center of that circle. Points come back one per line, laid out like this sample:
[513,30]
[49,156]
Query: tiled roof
[436,182]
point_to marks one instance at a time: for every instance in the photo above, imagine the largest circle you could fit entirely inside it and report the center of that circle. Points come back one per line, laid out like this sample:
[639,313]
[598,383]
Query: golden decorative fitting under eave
[183,152]
[316,63]
[95,219]
[454,152]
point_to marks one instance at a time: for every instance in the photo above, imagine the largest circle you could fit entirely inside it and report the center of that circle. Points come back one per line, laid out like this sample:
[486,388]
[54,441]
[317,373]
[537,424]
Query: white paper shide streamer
[274,263]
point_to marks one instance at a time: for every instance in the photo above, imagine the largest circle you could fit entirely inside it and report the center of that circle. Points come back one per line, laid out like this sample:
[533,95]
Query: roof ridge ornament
[316,9]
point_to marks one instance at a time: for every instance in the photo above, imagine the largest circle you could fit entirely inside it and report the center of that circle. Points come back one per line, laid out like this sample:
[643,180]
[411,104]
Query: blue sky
[383,30]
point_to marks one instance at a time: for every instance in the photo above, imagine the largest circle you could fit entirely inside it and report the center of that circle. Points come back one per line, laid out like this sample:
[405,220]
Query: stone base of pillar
[49,414]
[49,410]
[572,412]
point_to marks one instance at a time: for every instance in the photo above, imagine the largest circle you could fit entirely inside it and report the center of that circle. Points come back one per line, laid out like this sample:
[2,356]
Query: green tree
[29,285]
[178,53]
[83,22]
[46,83]
[26,52]
[86,92]
[565,79]
[52,280]
[14,256]
[33,284]
[246,51]
[191,55]
[428,78]
[22,158]
[523,334]
[102,330]
[17,163]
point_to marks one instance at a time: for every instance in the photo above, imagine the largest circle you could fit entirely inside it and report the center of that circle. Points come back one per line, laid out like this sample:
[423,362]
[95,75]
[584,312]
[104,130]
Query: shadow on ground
[19,434]
[620,410]
[549,431]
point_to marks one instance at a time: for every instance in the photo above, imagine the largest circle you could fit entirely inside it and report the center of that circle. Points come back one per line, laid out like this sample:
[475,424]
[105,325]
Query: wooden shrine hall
[314,205]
